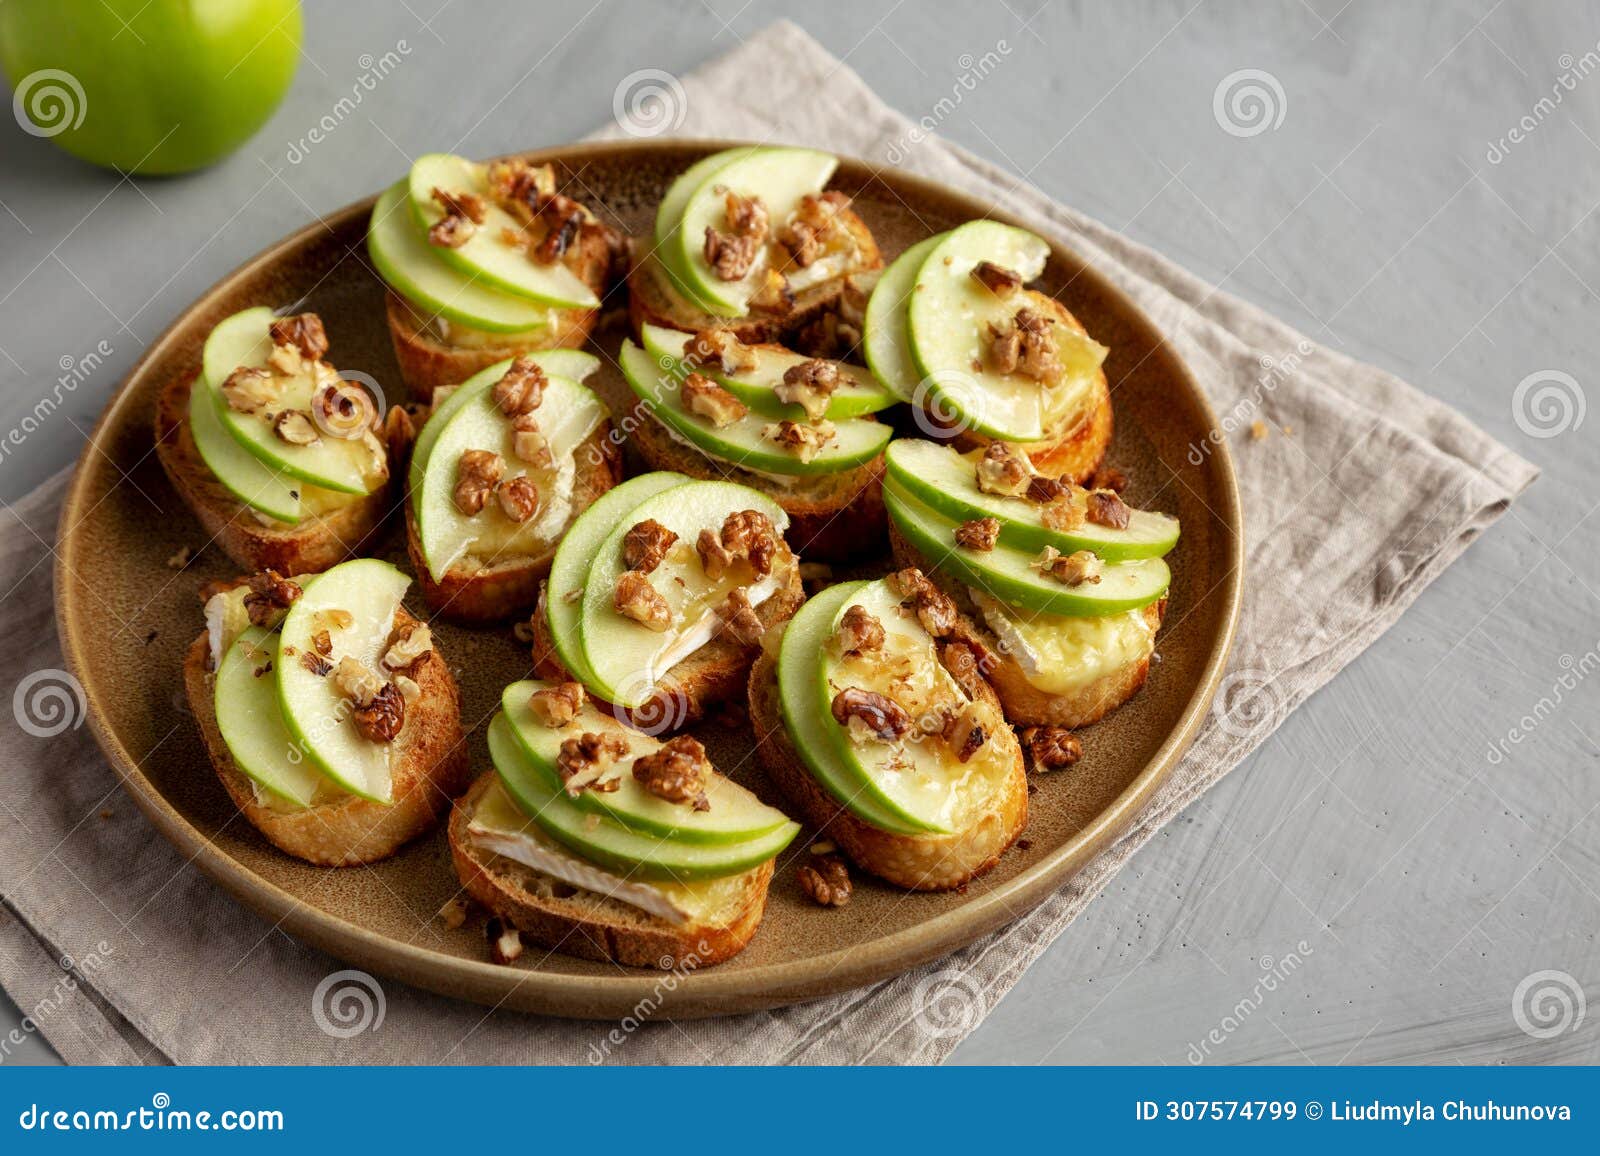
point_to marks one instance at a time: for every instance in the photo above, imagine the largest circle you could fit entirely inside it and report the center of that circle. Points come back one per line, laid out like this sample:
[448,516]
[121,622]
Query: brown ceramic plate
[122,521]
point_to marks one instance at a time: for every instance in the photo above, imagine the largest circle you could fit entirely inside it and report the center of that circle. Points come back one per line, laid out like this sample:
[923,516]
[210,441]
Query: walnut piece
[1005,470]
[516,184]
[747,216]
[978,534]
[270,596]
[556,706]
[806,235]
[529,444]
[563,218]
[997,279]
[411,642]
[521,390]
[645,545]
[739,619]
[1050,748]
[466,205]
[1042,489]
[934,608]
[296,427]
[750,534]
[1025,345]
[518,498]
[477,475]
[382,719]
[304,331]
[868,714]
[635,598]
[1073,569]
[826,880]
[356,682]
[677,772]
[732,253]
[451,232]
[714,557]
[505,942]
[584,759]
[1107,509]
[316,664]
[809,385]
[249,390]
[705,398]
[859,632]
[966,661]
[718,349]
[805,441]
[964,736]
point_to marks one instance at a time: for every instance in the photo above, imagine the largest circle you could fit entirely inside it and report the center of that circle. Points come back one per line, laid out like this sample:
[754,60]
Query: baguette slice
[431,769]
[591,925]
[476,591]
[711,675]
[832,517]
[654,300]
[314,544]
[915,862]
[1025,704]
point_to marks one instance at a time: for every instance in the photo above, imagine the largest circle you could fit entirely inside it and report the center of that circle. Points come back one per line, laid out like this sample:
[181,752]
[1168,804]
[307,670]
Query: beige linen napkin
[1378,490]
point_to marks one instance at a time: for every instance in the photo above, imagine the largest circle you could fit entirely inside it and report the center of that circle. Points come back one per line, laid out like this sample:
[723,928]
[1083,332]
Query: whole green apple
[148,86]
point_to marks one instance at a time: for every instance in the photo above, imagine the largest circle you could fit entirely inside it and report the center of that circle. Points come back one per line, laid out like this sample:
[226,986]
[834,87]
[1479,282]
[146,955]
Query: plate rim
[697,994]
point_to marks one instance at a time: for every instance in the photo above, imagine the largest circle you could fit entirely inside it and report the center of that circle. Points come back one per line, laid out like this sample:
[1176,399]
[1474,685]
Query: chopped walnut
[1107,509]
[705,398]
[248,390]
[556,706]
[868,714]
[454,913]
[529,444]
[1050,748]
[750,534]
[382,719]
[518,498]
[978,534]
[515,183]
[477,475]
[355,681]
[451,232]
[563,218]
[582,761]
[1064,514]
[296,427]
[934,608]
[730,256]
[964,736]
[303,331]
[410,643]
[714,557]
[806,235]
[466,205]
[1042,489]
[806,441]
[505,942]
[635,598]
[676,772]
[1025,345]
[718,349]
[809,385]
[1073,569]
[270,596]
[316,664]
[322,643]
[180,558]
[739,619]
[521,390]
[747,216]
[1000,281]
[826,880]
[645,545]
[965,661]
[1004,469]
[859,632]
[285,360]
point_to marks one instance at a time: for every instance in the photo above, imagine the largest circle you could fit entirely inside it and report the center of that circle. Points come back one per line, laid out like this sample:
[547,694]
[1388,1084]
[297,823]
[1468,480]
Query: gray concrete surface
[1420,878]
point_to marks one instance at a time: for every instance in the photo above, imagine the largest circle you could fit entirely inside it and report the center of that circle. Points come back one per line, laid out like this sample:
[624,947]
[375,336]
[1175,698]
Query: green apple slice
[568,414]
[314,710]
[610,844]
[805,712]
[780,177]
[627,659]
[415,270]
[669,216]
[734,815]
[946,481]
[857,394]
[244,341]
[251,721]
[1007,573]
[744,442]
[241,473]
[569,363]
[948,319]
[885,335]
[484,254]
[569,572]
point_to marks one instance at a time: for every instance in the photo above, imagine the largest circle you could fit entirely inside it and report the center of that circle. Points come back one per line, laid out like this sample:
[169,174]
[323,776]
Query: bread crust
[313,545]
[431,770]
[711,675]
[598,931]
[510,586]
[915,862]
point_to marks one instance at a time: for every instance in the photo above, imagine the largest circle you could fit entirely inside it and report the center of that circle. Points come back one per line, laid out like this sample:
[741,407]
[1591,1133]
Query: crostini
[485,262]
[286,465]
[503,464]
[596,840]
[801,430]
[331,719]
[660,594]
[951,328]
[1066,586]
[751,240]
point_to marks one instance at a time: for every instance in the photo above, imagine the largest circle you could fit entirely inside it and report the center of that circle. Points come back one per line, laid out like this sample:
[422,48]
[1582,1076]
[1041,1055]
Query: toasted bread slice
[654,300]
[480,591]
[314,544]
[592,925]
[832,517]
[916,862]
[711,675]
[431,768]
[1025,704]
